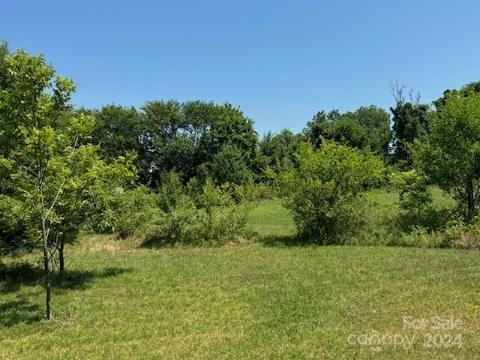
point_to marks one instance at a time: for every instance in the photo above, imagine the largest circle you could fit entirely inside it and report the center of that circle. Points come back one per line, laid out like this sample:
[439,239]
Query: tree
[324,192]
[89,178]
[465,91]
[277,152]
[348,130]
[185,138]
[117,131]
[450,156]
[16,232]
[4,52]
[49,168]
[364,128]
[376,123]
[411,121]
[40,153]
[320,127]
[228,166]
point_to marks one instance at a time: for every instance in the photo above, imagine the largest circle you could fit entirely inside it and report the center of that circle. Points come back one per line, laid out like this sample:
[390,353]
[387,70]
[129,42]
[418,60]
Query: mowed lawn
[266,300]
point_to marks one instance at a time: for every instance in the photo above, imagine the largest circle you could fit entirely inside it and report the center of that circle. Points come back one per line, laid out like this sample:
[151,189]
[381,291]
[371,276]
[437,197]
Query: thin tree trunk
[470,199]
[46,264]
[61,256]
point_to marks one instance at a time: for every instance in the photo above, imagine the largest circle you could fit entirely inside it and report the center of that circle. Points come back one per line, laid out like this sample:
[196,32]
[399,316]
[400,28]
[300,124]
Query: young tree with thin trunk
[47,163]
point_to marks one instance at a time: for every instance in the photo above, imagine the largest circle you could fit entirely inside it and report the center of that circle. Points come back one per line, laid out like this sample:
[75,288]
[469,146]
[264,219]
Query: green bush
[420,237]
[254,192]
[16,230]
[416,208]
[172,189]
[209,216]
[413,192]
[324,193]
[136,213]
[182,224]
[104,210]
[464,236]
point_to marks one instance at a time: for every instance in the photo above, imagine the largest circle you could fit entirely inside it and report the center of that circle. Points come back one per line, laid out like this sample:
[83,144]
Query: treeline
[174,173]
[205,140]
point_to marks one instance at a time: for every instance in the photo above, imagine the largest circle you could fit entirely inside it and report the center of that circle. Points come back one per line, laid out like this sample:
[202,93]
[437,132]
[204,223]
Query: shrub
[253,192]
[136,213]
[210,216]
[420,237]
[324,193]
[416,209]
[171,190]
[182,224]
[104,210]
[16,230]
[412,187]
[464,236]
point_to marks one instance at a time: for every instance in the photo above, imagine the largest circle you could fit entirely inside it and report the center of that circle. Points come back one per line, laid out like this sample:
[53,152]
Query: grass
[252,301]
[272,222]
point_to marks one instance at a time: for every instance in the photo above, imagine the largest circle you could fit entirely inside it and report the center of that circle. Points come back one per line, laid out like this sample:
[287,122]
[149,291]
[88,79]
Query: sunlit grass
[244,302]
[263,301]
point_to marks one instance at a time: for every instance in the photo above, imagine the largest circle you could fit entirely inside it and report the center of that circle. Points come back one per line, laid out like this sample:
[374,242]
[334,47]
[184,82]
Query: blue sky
[280,61]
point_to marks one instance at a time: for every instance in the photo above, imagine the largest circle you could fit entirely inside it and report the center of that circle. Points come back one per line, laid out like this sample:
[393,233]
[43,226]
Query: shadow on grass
[16,275]
[19,311]
[286,241]
[155,242]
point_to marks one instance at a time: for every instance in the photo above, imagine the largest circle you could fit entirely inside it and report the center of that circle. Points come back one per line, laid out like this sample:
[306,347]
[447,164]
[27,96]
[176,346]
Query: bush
[324,193]
[136,213]
[420,237]
[171,190]
[182,224]
[16,230]
[104,210]
[254,192]
[464,236]
[209,216]
[229,165]
[412,188]
[416,209]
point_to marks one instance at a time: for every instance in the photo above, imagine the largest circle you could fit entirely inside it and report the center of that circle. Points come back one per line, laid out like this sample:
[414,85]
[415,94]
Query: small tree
[416,202]
[451,154]
[413,192]
[323,193]
[228,166]
[46,166]
[89,178]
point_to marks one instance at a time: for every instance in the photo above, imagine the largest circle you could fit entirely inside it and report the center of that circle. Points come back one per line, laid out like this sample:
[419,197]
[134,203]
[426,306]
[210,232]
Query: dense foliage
[325,191]
[194,139]
[365,128]
[172,173]
[450,156]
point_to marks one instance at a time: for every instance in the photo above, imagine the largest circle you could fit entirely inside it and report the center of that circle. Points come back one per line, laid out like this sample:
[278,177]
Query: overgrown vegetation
[197,215]
[324,192]
[189,174]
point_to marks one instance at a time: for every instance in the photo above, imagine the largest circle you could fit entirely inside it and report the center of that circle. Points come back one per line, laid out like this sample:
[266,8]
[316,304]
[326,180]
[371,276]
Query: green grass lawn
[251,301]
[270,220]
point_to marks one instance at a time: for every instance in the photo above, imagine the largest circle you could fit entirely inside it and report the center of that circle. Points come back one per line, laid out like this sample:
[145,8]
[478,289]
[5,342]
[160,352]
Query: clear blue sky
[280,61]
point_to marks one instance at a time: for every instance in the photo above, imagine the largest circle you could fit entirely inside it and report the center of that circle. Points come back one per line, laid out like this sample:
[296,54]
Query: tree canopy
[450,155]
[365,128]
